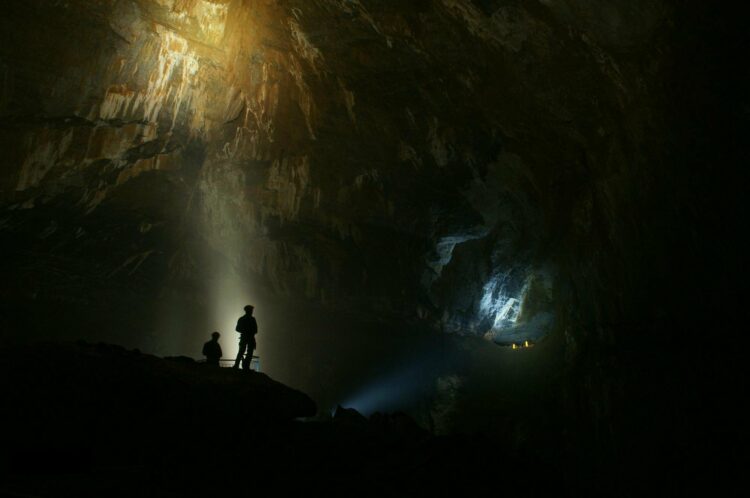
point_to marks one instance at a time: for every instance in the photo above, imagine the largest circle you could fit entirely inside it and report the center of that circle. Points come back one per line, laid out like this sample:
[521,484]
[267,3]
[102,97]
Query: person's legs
[243,346]
[249,356]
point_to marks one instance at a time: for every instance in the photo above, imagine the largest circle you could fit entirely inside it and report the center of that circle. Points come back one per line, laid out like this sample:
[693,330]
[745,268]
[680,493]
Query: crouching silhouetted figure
[212,350]
[247,327]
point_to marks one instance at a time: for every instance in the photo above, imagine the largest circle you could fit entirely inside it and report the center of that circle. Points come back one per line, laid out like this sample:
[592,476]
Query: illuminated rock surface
[377,156]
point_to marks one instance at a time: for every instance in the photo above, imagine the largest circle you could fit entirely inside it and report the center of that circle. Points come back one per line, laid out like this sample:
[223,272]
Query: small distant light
[526,344]
[514,346]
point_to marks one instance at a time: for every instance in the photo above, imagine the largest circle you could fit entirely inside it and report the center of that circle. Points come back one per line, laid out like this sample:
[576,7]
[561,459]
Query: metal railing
[229,363]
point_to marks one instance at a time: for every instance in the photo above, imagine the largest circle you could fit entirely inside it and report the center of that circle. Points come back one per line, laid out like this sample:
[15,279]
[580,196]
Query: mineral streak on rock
[422,145]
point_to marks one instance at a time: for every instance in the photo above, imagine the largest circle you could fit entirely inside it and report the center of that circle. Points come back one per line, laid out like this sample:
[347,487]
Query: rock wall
[491,168]
[419,159]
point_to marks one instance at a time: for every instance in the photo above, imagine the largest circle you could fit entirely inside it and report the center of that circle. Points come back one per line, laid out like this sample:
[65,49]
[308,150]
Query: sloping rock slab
[82,396]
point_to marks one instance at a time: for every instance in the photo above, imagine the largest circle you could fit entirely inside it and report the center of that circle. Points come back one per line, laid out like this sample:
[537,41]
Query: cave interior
[514,218]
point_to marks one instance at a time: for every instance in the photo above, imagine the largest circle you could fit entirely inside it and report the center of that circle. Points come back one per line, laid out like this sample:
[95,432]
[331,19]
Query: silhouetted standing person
[247,327]
[212,350]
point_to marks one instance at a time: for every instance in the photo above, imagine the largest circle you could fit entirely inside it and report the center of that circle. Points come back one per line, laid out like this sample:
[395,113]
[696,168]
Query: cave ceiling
[435,160]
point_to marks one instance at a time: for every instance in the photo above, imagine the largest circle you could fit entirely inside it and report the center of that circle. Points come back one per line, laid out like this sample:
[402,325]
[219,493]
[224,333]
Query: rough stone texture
[419,159]
[422,160]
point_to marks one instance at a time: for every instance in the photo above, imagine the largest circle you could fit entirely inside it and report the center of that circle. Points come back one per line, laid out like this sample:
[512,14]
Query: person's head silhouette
[249,309]
[215,336]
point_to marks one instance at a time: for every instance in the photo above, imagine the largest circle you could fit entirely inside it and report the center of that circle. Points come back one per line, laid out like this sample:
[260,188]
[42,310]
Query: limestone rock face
[436,160]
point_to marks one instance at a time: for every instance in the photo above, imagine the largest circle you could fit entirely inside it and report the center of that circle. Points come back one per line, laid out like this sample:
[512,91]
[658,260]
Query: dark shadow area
[99,420]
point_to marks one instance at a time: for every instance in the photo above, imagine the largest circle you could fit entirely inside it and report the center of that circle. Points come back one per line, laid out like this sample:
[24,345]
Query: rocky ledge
[99,420]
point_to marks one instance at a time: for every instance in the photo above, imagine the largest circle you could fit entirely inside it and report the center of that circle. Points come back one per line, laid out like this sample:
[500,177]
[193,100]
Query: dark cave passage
[513,219]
